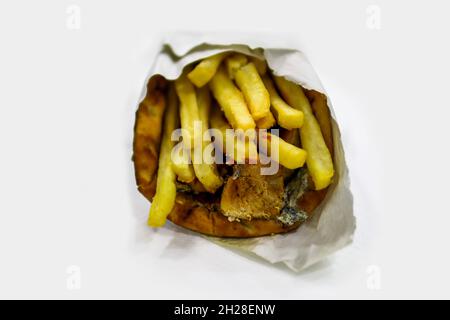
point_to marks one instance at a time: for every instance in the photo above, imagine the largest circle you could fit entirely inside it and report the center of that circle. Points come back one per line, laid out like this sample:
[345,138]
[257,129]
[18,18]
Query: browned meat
[248,194]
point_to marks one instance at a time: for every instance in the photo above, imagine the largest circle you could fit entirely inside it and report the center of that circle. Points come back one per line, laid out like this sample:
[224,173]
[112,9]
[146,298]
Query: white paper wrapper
[333,224]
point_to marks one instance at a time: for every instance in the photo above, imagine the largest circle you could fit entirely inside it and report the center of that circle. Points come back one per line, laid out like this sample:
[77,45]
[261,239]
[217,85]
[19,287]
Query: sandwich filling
[248,195]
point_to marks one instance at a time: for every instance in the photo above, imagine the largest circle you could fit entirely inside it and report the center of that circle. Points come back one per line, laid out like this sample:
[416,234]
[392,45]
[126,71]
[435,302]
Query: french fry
[241,150]
[287,117]
[319,161]
[231,101]
[289,156]
[260,65]
[181,163]
[218,122]
[292,137]
[206,170]
[266,122]
[188,109]
[234,62]
[164,199]
[206,69]
[255,93]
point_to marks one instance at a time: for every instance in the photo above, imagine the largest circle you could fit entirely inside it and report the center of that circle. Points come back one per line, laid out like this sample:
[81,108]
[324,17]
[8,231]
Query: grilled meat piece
[248,194]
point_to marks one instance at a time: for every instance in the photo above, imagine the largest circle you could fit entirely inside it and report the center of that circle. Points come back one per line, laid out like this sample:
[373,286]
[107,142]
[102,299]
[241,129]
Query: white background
[67,195]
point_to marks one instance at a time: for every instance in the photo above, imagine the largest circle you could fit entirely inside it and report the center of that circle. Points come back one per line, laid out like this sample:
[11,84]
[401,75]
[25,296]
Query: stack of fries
[233,91]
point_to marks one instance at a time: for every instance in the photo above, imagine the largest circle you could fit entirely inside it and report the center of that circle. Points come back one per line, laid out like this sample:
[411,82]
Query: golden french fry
[242,149]
[234,62]
[287,117]
[255,93]
[164,199]
[181,163]
[266,122]
[245,143]
[289,156]
[205,170]
[260,65]
[319,160]
[206,69]
[188,109]
[231,101]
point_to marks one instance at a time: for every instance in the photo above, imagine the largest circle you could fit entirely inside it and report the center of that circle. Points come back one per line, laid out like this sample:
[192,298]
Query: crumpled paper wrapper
[333,224]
